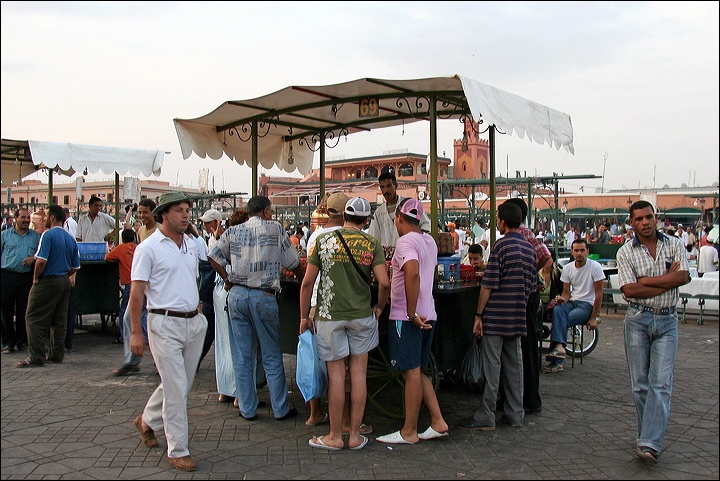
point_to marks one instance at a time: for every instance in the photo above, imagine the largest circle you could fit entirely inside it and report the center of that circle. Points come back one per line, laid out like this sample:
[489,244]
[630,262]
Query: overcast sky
[639,80]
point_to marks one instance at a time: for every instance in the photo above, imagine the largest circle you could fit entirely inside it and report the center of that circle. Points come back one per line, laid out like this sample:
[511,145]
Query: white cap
[358,206]
[211,215]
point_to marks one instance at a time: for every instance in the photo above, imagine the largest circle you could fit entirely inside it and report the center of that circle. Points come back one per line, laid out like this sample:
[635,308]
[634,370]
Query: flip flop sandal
[362,444]
[364,429]
[553,368]
[555,354]
[325,419]
[320,444]
[28,363]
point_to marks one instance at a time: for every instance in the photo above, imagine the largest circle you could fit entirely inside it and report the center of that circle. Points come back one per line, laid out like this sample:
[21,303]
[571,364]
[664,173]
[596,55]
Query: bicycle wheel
[386,387]
[588,344]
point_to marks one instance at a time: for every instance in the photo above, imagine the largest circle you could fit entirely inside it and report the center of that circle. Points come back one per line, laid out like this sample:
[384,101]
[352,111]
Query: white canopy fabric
[72,158]
[295,115]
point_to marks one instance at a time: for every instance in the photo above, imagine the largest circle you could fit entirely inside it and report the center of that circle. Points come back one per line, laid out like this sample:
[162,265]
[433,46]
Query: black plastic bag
[470,375]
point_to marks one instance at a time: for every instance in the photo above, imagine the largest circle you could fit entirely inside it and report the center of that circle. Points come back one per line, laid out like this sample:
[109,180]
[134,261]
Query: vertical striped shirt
[511,274]
[634,261]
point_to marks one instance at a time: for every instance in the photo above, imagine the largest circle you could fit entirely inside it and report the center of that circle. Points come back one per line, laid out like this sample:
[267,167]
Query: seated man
[474,257]
[579,303]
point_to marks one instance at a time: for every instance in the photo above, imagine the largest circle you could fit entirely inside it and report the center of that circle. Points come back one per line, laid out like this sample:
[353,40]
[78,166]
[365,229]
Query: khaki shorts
[339,339]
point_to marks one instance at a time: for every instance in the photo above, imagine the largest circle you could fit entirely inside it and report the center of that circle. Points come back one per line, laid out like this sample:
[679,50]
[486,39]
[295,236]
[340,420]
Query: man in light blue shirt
[18,244]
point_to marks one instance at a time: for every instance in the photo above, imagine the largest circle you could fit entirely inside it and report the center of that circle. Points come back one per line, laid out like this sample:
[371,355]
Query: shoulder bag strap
[347,249]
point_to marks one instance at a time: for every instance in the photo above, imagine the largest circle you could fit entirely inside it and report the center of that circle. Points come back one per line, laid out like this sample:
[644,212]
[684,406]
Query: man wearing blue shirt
[18,245]
[57,258]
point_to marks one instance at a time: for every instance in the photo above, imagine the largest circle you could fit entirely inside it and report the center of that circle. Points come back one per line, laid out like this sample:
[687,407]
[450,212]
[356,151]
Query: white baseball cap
[211,215]
[359,207]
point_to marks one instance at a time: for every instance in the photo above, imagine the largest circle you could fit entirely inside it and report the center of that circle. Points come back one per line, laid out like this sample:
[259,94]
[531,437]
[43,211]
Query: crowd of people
[185,290]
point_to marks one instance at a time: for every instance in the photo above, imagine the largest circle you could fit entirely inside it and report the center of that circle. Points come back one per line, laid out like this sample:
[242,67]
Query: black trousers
[13,305]
[530,346]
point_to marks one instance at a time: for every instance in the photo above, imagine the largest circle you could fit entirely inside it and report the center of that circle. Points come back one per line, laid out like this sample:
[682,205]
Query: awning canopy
[21,158]
[296,119]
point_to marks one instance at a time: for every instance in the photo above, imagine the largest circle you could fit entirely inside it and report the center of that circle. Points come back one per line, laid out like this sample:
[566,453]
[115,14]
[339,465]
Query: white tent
[295,115]
[285,128]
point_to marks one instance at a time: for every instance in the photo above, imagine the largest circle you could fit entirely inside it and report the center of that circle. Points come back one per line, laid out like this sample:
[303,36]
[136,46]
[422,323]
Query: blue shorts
[409,348]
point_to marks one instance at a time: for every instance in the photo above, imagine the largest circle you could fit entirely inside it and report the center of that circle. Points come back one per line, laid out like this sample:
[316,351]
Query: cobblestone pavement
[74,421]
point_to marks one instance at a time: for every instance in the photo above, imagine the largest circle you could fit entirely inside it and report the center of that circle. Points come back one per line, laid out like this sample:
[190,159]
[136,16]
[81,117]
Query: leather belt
[166,312]
[654,310]
[264,289]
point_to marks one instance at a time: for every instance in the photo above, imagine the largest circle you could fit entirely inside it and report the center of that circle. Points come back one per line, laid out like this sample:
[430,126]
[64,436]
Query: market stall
[97,289]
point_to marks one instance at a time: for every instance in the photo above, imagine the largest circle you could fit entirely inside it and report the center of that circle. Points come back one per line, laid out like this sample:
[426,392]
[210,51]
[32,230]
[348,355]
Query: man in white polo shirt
[165,269]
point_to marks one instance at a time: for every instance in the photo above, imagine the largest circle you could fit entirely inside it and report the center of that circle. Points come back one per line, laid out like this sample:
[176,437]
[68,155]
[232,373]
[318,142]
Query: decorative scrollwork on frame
[480,122]
[403,103]
[263,128]
[457,106]
[330,137]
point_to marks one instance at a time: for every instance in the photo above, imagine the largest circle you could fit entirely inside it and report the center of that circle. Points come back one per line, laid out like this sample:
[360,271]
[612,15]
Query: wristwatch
[412,318]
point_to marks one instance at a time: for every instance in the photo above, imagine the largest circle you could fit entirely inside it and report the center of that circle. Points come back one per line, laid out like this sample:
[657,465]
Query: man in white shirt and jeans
[576,306]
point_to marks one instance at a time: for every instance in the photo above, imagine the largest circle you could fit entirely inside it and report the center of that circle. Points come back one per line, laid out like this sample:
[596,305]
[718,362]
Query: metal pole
[117,209]
[433,170]
[322,165]
[493,200]
[254,165]
[50,187]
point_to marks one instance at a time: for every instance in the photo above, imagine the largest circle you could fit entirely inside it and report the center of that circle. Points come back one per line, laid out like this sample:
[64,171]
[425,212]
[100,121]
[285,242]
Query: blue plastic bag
[311,372]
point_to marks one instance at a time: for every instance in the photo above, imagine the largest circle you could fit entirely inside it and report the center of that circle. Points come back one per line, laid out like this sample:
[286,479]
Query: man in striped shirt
[501,321]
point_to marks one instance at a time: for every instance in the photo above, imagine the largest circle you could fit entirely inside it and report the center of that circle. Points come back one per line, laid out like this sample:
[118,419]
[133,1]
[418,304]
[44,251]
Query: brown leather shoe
[184,463]
[147,435]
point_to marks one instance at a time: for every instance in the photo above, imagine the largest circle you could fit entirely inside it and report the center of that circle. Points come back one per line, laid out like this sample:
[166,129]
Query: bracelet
[412,318]
[305,319]
[477,314]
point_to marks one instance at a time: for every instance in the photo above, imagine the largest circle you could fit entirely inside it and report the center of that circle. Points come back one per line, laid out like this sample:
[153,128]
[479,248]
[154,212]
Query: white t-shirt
[94,231]
[707,259]
[582,280]
[170,272]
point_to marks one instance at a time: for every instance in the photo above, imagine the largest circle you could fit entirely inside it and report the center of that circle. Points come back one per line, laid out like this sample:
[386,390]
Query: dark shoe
[506,420]
[22,347]
[248,418]
[261,385]
[7,349]
[127,369]
[56,361]
[533,411]
[184,463]
[648,455]
[222,398]
[146,434]
[290,414]
[472,425]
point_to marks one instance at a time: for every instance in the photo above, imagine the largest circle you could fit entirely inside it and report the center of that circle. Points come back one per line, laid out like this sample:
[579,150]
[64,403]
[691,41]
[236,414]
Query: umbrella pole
[493,200]
[254,137]
[433,171]
[117,209]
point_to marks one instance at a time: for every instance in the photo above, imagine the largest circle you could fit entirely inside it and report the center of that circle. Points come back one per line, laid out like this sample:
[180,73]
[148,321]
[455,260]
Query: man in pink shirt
[411,323]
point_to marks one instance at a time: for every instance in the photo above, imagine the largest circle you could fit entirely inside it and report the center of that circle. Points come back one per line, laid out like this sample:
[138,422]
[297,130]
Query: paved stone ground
[74,421]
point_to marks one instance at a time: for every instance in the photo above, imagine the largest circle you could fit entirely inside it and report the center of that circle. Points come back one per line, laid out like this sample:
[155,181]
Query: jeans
[568,315]
[126,327]
[650,346]
[254,314]
[123,307]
